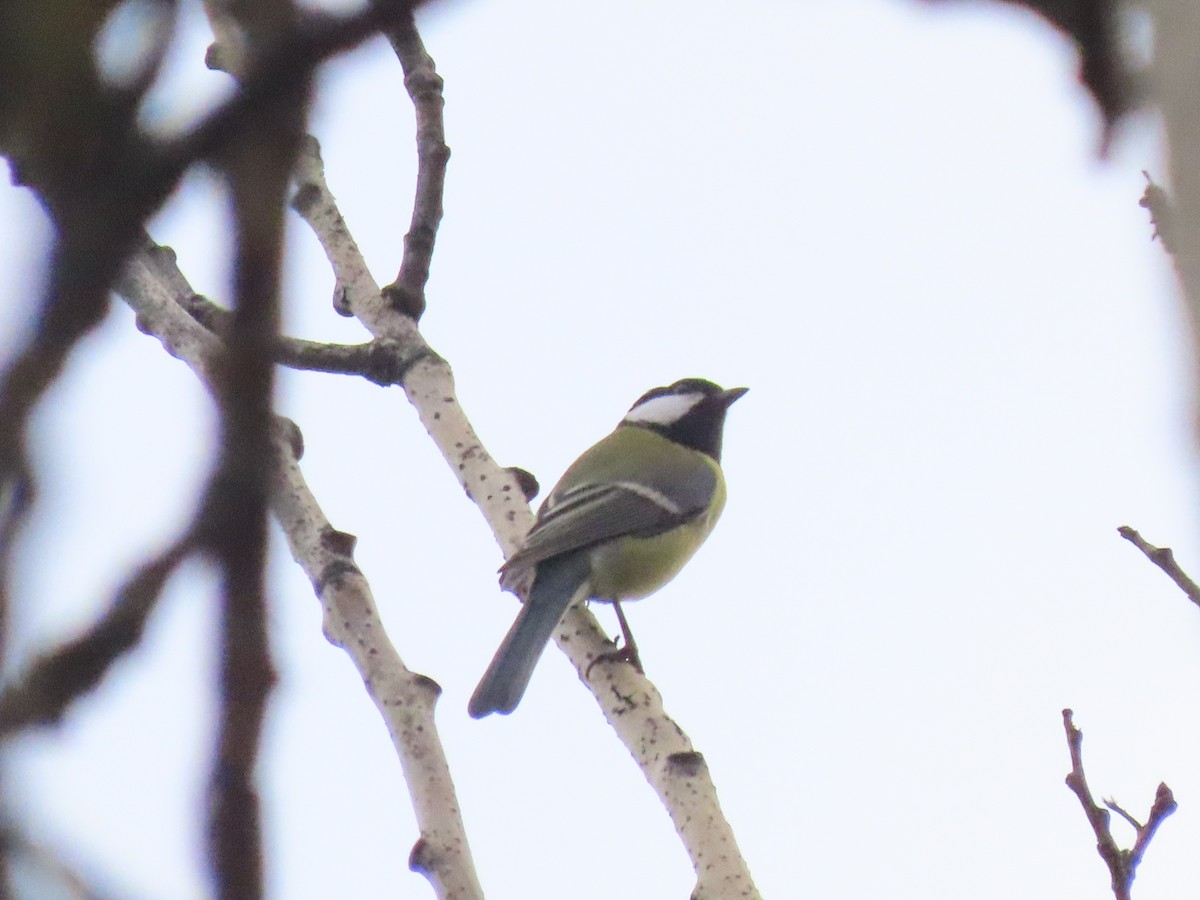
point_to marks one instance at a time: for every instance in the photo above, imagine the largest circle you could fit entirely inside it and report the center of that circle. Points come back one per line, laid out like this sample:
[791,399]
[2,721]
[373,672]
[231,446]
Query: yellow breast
[630,568]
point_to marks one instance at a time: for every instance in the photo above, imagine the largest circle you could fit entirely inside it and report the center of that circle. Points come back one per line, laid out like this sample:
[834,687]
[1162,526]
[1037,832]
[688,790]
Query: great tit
[621,522]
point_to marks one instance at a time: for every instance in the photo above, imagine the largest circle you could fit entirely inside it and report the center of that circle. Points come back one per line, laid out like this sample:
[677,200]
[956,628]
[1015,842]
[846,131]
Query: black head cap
[690,412]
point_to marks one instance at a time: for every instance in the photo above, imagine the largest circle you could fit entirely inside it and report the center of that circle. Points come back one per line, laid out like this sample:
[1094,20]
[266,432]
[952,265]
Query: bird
[621,522]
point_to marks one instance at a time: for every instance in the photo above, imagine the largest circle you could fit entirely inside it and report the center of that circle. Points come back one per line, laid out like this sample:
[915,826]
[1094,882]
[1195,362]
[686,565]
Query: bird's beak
[729,396]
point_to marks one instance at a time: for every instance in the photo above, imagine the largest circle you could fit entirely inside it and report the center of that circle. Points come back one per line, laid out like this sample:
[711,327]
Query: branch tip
[1164,558]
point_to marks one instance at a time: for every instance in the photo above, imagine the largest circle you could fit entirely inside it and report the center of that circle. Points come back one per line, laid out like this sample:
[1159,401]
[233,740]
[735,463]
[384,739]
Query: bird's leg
[627,652]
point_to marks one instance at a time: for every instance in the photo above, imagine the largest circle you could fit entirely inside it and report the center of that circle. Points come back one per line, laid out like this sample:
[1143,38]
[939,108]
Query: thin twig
[1164,805]
[381,361]
[1164,558]
[424,87]
[1117,808]
[1122,864]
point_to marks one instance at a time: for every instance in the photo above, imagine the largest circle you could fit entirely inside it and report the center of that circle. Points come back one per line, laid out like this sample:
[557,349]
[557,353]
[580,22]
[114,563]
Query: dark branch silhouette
[1122,864]
[1164,558]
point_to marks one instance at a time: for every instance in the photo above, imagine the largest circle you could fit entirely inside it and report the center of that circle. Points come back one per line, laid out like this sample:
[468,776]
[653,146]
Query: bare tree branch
[99,229]
[632,705]
[158,292]
[63,121]
[1122,864]
[424,86]
[257,164]
[1164,805]
[406,700]
[93,130]
[1164,558]
[380,361]
[272,74]
[666,756]
[425,376]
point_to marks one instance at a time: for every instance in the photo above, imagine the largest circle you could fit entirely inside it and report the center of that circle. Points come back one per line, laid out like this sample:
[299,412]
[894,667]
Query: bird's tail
[560,582]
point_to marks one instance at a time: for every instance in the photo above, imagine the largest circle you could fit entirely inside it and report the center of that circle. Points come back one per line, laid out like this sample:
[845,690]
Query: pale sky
[968,367]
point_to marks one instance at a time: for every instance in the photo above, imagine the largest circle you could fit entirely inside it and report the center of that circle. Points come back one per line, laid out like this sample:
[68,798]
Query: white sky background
[967,368]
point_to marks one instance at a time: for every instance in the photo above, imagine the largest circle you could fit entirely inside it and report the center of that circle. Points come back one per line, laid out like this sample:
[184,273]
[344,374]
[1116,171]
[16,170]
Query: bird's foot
[627,653]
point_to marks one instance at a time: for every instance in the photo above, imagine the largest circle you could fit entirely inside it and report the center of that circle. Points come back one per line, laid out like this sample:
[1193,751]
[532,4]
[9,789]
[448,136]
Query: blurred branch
[98,231]
[150,63]
[1094,28]
[14,505]
[273,74]
[1122,864]
[1164,558]
[131,176]
[77,143]
[1175,61]
[41,694]
[257,165]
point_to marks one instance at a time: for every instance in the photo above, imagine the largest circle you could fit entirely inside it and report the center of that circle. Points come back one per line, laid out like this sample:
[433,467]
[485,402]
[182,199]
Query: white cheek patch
[664,410]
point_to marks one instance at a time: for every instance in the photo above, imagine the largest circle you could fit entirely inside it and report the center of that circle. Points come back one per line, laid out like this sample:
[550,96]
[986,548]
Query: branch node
[687,764]
[404,300]
[339,542]
[341,301]
[1162,212]
[526,481]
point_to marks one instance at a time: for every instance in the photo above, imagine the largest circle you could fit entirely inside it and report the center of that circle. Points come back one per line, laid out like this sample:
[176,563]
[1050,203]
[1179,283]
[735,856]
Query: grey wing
[591,513]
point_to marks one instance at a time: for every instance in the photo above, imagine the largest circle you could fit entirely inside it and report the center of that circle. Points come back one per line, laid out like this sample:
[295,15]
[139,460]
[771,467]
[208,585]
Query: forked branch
[1122,864]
